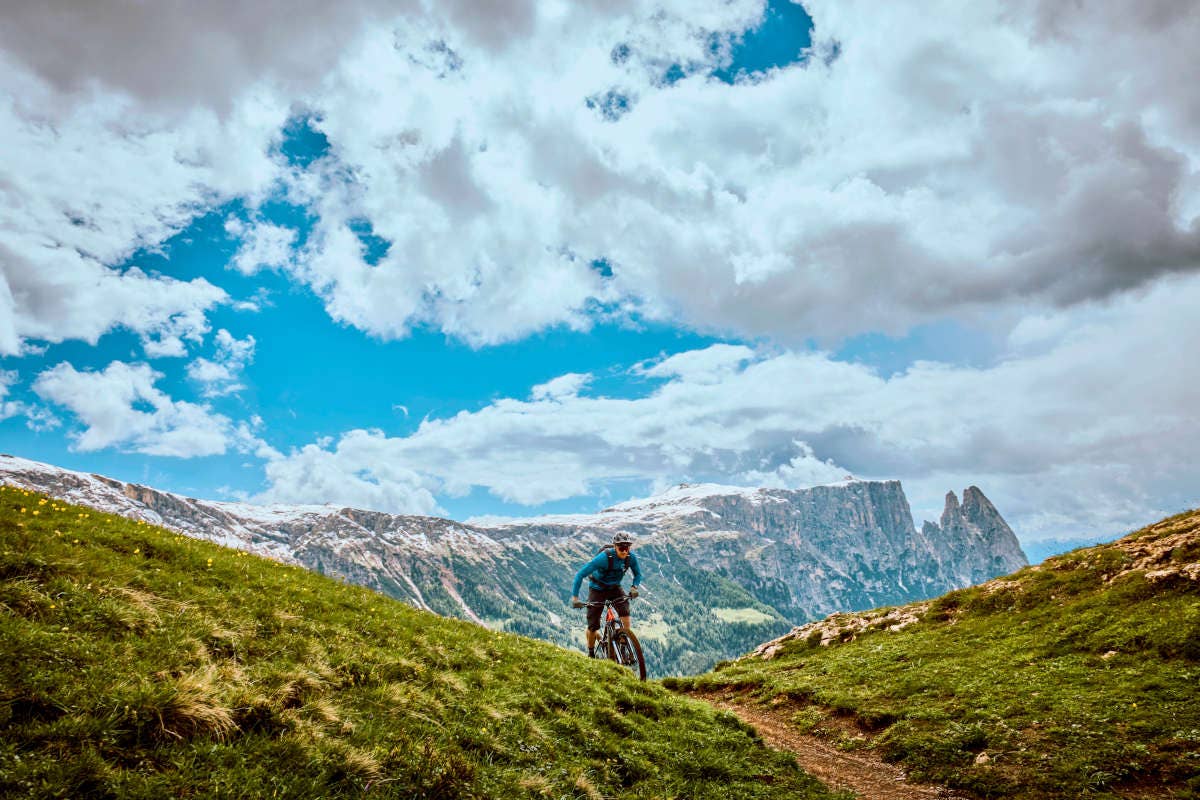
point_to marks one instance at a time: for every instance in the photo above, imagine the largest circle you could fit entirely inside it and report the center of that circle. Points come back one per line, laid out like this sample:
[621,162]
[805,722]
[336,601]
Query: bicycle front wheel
[627,651]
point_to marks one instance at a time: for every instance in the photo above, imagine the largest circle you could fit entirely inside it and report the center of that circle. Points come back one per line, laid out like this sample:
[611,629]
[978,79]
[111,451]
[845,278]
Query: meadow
[138,663]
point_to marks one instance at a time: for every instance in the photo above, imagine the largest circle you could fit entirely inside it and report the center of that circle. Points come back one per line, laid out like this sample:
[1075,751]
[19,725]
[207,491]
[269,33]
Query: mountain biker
[606,572]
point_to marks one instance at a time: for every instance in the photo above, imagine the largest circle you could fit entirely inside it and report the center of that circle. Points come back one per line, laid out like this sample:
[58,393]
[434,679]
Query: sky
[521,256]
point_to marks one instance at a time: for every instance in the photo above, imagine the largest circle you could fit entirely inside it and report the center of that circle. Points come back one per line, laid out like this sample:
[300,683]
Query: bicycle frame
[612,624]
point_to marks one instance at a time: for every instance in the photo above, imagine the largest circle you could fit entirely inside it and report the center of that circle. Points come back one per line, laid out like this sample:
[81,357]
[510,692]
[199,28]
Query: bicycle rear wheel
[628,652]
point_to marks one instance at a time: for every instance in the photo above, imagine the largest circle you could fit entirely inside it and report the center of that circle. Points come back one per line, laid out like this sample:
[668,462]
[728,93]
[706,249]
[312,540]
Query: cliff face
[977,541]
[725,567]
[852,545]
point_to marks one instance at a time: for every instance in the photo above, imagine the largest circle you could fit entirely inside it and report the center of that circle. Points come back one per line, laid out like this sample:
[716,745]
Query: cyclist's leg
[595,601]
[621,606]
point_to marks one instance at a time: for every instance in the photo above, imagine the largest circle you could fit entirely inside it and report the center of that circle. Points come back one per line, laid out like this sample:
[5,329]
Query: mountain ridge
[725,571]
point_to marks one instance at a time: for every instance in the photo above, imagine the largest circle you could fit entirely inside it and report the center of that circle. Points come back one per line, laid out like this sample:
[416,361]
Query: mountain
[726,567]
[138,663]
[1079,677]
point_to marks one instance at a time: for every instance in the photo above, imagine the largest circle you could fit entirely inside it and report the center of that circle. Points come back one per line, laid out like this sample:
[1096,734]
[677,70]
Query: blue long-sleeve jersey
[597,569]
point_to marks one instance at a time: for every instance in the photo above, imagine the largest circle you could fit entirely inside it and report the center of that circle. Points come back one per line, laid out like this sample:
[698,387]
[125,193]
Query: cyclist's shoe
[591,653]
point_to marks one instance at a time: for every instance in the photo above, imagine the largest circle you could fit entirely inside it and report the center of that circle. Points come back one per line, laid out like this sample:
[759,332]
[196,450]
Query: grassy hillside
[1077,678]
[135,663]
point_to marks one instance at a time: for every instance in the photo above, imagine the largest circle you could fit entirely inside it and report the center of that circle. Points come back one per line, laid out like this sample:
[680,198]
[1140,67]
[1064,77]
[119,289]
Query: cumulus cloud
[176,55]
[709,365]
[805,469]
[1067,425]
[8,408]
[51,294]
[987,159]
[348,476]
[121,407]
[563,386]
[91,181]
[999,155]
[221,375]
[263,245]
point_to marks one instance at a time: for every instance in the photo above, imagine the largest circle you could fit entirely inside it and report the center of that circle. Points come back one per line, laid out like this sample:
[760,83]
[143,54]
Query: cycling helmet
[621,537]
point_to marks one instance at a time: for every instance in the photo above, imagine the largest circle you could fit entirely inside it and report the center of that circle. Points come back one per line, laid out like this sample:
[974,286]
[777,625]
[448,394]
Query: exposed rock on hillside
[844,628]
[1168,551]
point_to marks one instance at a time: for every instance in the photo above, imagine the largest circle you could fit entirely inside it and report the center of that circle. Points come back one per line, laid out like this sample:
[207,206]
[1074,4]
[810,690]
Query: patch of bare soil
[860,771]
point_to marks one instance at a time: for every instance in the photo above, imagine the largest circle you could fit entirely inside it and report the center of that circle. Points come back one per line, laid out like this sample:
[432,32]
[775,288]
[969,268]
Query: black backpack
[611,551]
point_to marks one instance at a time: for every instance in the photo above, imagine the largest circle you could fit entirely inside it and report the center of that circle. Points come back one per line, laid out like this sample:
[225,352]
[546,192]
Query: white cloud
[37,418]
[986,159]
[564,386]
[263,244]
[9,408]
[89,181]
[348,477]
[52,294]
[709,365]
[40,419]
[805,469]
[1092,433]
[120,407]
[168,56]
[221,375]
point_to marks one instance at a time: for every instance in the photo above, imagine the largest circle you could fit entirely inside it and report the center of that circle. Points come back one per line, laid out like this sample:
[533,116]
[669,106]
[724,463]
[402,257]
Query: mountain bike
[619,644]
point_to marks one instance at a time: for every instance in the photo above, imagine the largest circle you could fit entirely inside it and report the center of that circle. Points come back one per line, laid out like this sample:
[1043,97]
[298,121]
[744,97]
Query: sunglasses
[624,547]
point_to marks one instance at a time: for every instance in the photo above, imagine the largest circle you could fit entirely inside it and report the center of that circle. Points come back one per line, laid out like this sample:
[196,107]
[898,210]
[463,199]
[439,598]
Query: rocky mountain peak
[952,507]
[974,526]
[977,509]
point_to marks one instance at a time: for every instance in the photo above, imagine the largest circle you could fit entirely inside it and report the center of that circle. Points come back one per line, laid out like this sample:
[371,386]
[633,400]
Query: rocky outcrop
[775,557]
[844,628]
[975,541]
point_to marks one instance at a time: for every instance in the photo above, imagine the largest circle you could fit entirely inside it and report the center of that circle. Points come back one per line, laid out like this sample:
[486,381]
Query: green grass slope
[1076,678]
[136,663]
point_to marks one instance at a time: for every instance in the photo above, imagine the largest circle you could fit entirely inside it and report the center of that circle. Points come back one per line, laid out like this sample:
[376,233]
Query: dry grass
[196,709]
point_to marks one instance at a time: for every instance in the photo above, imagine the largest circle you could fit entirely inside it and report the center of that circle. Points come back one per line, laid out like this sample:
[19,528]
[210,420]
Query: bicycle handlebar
[610,601]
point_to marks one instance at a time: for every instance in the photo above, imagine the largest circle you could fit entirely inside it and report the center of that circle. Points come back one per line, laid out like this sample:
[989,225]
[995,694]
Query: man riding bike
[606,572]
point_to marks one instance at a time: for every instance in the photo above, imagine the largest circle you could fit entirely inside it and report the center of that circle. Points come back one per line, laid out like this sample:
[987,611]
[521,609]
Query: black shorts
[596,598]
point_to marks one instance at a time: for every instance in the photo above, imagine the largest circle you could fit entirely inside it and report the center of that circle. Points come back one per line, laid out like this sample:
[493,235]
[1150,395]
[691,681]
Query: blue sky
[755,244]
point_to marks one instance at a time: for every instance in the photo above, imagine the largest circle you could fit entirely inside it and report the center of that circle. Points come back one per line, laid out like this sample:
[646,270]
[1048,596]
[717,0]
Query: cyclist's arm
[587,570]
[637,571]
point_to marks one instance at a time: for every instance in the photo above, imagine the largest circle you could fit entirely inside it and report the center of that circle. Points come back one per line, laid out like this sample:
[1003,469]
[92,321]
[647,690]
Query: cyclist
[606,572]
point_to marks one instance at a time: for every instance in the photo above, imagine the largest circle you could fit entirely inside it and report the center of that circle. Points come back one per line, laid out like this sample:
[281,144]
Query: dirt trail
[861,772]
